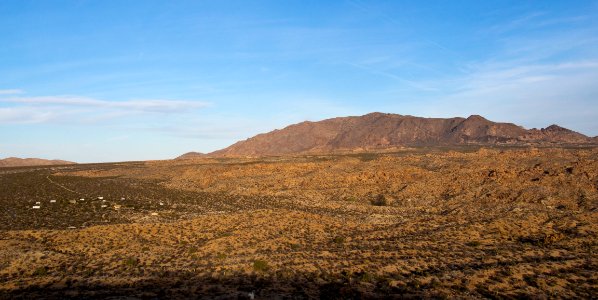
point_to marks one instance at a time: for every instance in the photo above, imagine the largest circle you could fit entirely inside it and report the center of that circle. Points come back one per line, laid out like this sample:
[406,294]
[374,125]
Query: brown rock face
[380,130]
[23,162]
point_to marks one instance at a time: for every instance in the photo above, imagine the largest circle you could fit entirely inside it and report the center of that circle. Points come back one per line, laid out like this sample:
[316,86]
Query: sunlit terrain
[465,222]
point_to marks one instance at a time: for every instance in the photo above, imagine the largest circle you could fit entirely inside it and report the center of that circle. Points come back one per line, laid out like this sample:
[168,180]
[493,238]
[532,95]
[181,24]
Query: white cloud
[532,77]
[11,92]
[24,115]
[147,105]
[533,95]
[42,109]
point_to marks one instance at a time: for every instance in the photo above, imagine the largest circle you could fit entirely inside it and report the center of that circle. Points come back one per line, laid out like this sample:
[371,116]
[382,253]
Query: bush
[88,272]
[530,280]
[365,276]
[473,243]
[41,271]
[131,262]
[260,265]
[542,240]
[380,200]
[339,240]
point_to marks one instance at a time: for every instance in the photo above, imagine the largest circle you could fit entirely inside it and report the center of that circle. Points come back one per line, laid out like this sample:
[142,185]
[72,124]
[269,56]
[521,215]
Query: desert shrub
[260,265]
[492,252]
[41,271]
[434,283]
[225,234]
[530,280]
[473,243]
[365,276]
[221,256]
[339,240]
[131,262]
[414,283]
[542,240]
[506,272]
[295,246]
[88,272]
[380,200]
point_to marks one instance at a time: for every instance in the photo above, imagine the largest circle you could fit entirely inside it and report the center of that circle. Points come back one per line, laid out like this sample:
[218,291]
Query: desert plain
[460,222]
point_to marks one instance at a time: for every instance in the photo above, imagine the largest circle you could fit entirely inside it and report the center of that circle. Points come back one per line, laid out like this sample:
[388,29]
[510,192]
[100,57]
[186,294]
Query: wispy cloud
[24,115]
[412,83]
[533,94]
[39,109]
[532,78]
[535,20]
[517,23]
[11,92]
[150,105]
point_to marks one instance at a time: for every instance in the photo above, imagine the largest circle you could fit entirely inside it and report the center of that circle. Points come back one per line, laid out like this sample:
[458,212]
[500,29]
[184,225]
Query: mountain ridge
[383,130]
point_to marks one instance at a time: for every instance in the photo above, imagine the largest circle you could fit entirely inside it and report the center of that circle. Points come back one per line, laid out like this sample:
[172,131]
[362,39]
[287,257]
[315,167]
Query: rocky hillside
[23,162]
[380,130]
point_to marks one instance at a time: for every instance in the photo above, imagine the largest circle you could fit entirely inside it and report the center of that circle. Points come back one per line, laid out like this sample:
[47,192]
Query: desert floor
[441,223]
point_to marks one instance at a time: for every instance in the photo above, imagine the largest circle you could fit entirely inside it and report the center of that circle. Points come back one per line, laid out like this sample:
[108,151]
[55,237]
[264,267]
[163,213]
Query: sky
[104,80]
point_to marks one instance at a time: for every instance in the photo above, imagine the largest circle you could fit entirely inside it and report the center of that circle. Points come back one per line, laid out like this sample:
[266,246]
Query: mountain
[22,162]
[558,134]
[380,130]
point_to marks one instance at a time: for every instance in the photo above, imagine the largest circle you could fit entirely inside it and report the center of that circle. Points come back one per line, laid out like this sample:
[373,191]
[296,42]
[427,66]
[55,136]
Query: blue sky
[94,81]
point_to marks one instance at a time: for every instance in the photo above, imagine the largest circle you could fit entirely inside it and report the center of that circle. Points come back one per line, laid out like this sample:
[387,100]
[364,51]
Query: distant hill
[23,162]
[190,155]
[380,130]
